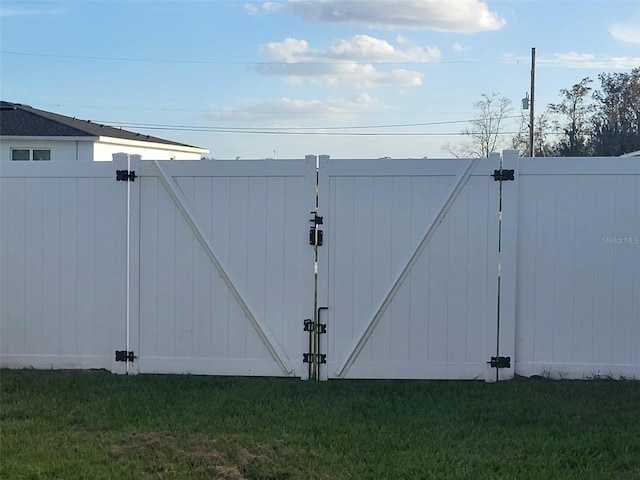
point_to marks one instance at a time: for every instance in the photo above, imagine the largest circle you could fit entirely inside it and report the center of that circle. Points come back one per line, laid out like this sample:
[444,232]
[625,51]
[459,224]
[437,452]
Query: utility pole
[533,96]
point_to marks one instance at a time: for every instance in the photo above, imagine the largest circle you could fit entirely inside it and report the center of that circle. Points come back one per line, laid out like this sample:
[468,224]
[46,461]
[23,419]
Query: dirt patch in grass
[228,473]
[203,457]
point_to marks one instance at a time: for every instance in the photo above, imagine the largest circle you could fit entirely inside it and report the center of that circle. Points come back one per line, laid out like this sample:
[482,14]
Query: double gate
[222,258]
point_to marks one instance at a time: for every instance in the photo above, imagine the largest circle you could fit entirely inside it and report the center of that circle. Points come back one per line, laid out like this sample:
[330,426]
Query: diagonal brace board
[361,339]
[270,342]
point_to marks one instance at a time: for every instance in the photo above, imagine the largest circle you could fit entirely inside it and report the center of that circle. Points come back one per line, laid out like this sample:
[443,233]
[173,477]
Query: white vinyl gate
[409,268]
[206,267]
[226,271]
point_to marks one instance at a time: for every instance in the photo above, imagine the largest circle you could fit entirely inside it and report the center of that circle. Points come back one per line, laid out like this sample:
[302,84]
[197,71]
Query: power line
[283,129]
[260,112]
[235,62]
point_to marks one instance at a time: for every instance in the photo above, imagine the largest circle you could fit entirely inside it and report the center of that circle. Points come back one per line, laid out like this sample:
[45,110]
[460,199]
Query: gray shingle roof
[18,120]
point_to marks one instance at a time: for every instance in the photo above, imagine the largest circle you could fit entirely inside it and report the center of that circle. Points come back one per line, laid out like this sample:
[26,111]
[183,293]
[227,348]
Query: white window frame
[31,155]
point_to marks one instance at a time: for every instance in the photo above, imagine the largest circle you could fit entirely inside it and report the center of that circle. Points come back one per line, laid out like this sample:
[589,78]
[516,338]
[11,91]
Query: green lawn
[96,425]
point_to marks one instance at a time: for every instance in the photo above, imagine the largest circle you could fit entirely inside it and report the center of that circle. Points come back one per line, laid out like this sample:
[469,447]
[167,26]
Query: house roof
[19,120]
[632,154]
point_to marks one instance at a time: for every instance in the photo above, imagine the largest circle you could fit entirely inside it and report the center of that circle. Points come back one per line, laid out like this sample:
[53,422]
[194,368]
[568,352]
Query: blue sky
[288,78]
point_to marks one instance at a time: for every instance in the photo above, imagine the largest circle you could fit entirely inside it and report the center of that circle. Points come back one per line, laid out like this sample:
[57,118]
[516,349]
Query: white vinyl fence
[63,265]
[577,255]
[427,268]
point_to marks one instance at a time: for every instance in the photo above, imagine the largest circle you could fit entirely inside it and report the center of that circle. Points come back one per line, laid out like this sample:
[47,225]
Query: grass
[94,425]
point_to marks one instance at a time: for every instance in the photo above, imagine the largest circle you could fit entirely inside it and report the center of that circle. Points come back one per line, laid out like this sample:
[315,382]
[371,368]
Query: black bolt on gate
[321,329]
[306,357]
[313,357]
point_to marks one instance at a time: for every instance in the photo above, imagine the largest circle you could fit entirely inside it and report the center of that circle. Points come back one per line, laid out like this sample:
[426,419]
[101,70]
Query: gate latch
[310,357]
[315,234]
[500,362]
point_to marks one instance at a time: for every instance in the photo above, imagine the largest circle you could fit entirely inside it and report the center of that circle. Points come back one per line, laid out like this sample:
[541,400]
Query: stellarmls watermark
[626,240]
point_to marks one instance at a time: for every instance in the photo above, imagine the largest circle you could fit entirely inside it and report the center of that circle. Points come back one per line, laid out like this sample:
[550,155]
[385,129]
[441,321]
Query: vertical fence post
[133,343]
[125,331]
[508,264]
[308,323]
[322,266]
[120,316]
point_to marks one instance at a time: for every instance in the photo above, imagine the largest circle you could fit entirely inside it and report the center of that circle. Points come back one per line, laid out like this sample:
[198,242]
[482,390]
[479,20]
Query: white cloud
[401,40]
[349,62]
[580,60]
[458,47]
[250,8]
[266,7]
[626,32]
[288,111]
[439,15]
[270,7]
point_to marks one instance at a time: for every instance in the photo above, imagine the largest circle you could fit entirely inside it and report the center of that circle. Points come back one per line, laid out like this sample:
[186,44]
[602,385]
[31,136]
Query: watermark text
[627,240]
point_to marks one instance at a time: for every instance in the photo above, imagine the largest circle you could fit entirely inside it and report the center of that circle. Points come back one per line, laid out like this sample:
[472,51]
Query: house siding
[61,150]
[103,152]
[90,150]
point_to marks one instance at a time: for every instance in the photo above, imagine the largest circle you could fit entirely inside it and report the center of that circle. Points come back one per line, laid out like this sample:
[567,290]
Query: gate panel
[409,267]
[224,287]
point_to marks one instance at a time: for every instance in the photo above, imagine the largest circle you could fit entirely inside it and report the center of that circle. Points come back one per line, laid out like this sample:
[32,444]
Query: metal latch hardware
[319,357]
[315,234]
[309,326]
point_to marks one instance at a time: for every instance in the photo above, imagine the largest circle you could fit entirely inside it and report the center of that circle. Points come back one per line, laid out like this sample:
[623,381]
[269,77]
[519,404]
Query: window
[20,154]
[27,154]
[41,155]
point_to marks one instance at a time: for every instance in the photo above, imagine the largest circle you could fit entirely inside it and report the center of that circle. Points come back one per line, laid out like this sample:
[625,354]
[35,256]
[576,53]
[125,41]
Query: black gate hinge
[503,175]
[124,356]
[319,357]
[500,362]
[126,175]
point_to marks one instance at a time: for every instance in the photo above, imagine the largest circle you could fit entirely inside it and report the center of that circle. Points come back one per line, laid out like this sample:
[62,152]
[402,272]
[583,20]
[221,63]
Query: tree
[616,122]
[575,129]
[485,129]
[541,145]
